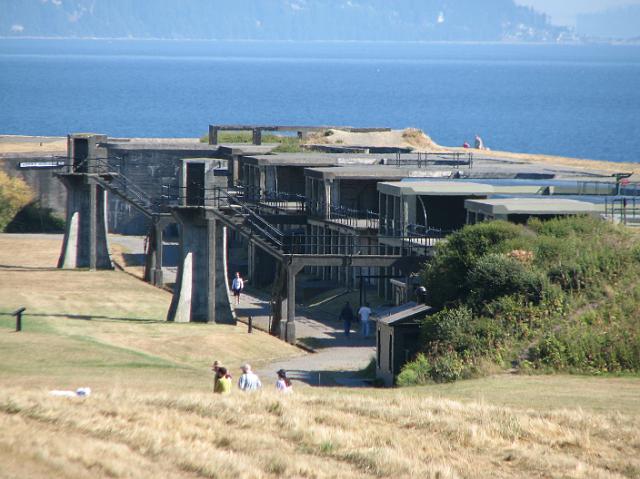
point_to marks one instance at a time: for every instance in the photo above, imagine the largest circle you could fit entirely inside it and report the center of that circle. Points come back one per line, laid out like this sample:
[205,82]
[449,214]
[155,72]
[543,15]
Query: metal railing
[352,217]
[280,200]
[623,210]
[422,160]
[108,171]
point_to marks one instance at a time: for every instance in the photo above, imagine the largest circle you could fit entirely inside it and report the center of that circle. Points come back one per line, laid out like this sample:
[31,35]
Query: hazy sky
[564,11]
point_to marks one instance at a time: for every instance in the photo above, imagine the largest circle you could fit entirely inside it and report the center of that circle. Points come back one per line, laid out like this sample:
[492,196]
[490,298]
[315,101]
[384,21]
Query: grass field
[151,413]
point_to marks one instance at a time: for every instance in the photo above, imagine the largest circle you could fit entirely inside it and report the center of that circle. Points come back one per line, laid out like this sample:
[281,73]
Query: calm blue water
[581,101]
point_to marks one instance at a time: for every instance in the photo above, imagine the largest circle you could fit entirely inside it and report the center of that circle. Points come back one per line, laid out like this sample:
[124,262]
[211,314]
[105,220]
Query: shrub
[507,291]
[447,367]
[448,327]
[496,275]
[445,277]
[35,219]
[14,195]
[415,373]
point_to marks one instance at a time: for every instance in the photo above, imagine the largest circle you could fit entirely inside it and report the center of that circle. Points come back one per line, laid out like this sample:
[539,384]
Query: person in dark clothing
[346,315]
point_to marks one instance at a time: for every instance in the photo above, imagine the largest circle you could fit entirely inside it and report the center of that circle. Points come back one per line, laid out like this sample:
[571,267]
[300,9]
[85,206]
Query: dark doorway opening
[195,184]
[80,154]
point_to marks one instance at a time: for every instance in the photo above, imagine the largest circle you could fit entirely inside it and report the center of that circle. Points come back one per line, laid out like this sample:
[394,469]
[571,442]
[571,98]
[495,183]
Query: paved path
[336,360]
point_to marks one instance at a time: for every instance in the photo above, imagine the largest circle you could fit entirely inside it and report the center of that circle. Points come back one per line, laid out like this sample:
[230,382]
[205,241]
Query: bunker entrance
[80,154]
[195,184]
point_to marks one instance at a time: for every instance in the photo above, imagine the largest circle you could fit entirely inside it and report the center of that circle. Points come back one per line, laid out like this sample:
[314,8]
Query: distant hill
[298,20]
[620,23]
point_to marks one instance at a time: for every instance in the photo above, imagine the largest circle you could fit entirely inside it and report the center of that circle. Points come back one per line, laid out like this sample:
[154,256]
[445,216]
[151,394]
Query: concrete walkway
[336,359]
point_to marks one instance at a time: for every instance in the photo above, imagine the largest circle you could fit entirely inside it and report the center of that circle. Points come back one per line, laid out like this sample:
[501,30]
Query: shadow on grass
[347,379]
[87,317]
[337,340]
[134,259]
[12,267]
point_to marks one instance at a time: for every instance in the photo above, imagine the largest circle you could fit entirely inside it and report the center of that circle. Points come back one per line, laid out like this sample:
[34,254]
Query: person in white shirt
[364,312]
[237,286]
[249,381]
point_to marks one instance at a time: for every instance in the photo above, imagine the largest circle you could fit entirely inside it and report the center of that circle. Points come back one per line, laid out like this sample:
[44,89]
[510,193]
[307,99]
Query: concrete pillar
[153,271]
[213,135]
[201,292]
[334,250]
[262,181]
[257,136]
[288,332]
[234,170]
[408,206]
[326,199]
[251,262]
[85,243]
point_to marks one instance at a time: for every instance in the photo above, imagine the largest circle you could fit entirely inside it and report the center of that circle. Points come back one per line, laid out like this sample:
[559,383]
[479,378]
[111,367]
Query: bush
[415,373]
[496,275]
[15,194]
[448,327]
[507,291]
[35,219]
[447,368]
[445,277]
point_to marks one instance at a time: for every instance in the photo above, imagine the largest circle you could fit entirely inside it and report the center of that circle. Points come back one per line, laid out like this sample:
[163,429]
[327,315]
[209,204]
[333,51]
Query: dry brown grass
[105,328]
[312,433]
[152,415]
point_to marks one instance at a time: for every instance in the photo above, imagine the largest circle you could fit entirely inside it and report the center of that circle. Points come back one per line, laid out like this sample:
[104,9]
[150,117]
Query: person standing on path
[237,286]
[346,315]
[364,312]
[249,381]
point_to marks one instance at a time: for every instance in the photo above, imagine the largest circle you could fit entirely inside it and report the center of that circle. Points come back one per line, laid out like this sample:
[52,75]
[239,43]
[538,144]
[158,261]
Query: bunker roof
[377,172]
[435,188]
[531,206]
[312,159]
[410,314]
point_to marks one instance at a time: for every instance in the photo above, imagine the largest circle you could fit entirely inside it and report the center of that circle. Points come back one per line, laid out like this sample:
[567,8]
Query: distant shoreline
[589,42]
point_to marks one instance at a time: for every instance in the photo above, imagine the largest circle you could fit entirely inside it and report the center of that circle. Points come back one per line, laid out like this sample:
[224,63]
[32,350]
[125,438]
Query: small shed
[397,339]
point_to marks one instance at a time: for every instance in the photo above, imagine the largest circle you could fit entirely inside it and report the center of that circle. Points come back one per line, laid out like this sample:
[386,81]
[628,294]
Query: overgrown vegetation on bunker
[560,295]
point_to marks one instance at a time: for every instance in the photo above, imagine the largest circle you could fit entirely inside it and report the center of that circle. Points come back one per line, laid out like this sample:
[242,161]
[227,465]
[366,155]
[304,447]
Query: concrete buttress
[201,291]
[85,242]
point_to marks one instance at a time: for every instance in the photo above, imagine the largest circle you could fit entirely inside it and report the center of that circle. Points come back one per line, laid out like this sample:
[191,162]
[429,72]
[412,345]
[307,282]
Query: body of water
[581,101]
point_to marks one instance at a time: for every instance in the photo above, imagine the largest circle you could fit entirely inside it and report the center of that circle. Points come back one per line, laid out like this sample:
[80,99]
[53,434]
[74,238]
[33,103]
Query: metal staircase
[105,172]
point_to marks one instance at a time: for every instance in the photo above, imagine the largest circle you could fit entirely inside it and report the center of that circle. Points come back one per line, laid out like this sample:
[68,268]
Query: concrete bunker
[398,340]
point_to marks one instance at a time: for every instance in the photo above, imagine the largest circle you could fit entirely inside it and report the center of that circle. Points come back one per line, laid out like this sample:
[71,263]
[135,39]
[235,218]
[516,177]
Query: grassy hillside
[151,413]
[561,295]
[105,328]
[314,433]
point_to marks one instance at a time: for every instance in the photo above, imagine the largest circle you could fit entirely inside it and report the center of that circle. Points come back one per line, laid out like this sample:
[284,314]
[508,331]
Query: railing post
[18,314]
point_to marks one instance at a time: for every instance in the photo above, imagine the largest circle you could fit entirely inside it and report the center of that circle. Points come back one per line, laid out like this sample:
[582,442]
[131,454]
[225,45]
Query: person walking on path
[364,312]
[237,286]
[223,381]
[283,384]
[249,381]
[346,315]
